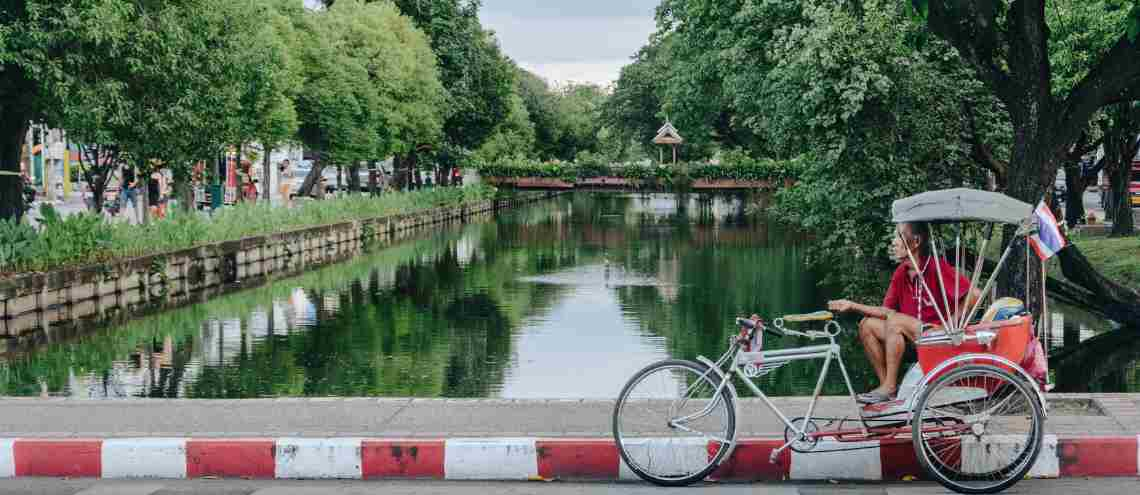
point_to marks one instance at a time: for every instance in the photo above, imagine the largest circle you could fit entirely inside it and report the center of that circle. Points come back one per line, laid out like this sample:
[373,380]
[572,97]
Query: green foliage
[85,238]
[477,77]
[18,239]
[371,84]
[62,239]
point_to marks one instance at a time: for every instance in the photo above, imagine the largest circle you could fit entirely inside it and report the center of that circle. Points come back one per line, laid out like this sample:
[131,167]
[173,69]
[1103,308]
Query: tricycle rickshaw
[972,411]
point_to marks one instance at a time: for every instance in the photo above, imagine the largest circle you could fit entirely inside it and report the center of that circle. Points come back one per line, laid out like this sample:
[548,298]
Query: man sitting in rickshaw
[908,308]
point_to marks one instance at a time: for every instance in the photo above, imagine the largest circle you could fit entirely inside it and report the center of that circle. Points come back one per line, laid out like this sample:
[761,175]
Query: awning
[960,205]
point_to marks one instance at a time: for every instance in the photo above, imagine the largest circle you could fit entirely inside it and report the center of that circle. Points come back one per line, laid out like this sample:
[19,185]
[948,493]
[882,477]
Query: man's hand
[841,305]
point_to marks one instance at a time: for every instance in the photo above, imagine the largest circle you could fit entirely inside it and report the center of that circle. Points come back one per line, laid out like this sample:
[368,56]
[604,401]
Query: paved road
[1102,486]
[1112,414]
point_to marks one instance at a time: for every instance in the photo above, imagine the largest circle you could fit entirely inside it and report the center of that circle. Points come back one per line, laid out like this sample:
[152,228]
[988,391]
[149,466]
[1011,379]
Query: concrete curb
[495,459]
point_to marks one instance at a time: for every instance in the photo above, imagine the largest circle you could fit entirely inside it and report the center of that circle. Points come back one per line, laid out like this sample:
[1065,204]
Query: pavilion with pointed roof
[668,134]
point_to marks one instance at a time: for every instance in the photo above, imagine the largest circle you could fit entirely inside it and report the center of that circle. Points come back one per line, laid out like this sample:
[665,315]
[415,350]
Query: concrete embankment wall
[71,297]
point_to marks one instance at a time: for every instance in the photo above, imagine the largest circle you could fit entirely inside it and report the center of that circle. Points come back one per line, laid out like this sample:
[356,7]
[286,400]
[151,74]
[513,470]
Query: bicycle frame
[770,360]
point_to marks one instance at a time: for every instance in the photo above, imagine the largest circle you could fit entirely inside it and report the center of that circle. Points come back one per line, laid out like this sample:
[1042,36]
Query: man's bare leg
[899,329]
[871,333]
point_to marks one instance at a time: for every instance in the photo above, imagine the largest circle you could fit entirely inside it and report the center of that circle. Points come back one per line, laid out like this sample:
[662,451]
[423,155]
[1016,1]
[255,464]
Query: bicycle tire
[960,482]
[632,448]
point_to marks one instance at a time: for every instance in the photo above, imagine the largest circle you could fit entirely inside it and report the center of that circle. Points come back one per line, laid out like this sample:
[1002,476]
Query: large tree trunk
[1033,161]
[266,176]
[354,177]
[1120,146]
[312,179]
[1119,178]
[1074,194]
[13,128]
[402,171]
[183,188]
[1119,303]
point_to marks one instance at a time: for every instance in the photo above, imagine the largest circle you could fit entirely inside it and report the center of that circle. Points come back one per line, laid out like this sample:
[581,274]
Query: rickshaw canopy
[960,205]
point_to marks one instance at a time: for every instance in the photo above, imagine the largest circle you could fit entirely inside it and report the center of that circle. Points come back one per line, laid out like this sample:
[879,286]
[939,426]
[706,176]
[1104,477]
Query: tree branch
[971,27]
[981,152]
[1116,78]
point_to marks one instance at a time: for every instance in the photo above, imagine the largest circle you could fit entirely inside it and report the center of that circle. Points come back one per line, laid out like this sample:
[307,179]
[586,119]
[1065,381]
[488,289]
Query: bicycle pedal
[774,458]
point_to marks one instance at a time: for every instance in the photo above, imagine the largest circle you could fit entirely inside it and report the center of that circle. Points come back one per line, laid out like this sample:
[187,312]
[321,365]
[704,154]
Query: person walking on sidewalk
[127,191]
[285,182]
[154,194]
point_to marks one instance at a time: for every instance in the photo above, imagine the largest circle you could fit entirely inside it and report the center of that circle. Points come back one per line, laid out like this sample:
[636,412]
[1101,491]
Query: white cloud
[600,72]
[582,49]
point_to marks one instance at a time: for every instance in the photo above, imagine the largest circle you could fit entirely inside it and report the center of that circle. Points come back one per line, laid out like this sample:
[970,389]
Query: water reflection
[567,298]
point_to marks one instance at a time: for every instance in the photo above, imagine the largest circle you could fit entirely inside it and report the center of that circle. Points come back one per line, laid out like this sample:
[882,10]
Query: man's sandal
[872,398]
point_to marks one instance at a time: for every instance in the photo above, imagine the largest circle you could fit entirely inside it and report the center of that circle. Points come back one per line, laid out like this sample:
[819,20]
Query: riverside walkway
[1069,415]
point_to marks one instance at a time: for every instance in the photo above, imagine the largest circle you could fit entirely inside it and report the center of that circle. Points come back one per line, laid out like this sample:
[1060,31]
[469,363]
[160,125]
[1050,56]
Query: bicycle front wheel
[671,426]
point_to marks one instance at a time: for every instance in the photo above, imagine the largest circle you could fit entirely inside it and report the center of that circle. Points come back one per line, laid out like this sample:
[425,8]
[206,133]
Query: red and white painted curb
[498,459]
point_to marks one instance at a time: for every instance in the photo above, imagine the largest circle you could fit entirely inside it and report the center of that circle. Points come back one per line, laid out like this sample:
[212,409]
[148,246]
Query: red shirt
[905,291]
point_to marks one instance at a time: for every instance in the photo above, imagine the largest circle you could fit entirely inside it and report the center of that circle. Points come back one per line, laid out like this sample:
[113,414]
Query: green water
[563,299]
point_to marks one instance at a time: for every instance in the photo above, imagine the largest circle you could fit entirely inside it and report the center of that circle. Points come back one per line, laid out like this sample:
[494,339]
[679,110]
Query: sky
[571,40]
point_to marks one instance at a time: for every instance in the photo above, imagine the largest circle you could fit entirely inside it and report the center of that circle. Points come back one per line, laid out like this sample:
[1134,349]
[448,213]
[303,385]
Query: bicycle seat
[816,316]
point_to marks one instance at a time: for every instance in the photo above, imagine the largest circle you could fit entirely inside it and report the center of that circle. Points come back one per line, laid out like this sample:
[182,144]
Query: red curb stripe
[751,462]
[402,459]
[58,458]
[577,459]
[1097,456]
[899,460]
[243,458]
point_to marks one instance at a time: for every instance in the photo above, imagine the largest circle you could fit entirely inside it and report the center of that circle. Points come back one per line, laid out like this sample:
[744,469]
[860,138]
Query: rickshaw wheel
[985,444]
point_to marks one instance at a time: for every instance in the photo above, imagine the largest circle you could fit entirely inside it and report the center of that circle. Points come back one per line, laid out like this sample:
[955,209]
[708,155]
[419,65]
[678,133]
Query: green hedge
[86,238]
[733,166]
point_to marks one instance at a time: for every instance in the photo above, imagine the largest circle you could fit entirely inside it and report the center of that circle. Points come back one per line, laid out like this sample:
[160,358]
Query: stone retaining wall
[124,288]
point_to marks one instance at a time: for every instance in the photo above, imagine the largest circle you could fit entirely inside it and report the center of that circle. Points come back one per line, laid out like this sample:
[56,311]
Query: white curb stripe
[7,458]
[490,459]
[995,450]
[861,464]
[1048,463]
[314,458]
[675,454]
[144,458]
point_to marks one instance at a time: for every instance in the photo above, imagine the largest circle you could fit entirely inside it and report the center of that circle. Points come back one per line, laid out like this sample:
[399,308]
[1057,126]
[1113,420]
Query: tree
[19,103]
[371,86]
[513,138]
[1007,44]
[542,109]
[870,116]
[634,110]
[1120,147]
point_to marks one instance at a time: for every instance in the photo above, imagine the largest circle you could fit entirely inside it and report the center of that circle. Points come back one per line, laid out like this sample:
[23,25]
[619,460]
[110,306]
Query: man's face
[898,248]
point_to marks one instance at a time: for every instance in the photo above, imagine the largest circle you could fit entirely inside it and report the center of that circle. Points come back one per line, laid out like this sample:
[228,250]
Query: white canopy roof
[960,205]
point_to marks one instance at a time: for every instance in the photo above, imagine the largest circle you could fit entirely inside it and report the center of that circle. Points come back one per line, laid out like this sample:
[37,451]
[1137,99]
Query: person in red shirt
[908,307]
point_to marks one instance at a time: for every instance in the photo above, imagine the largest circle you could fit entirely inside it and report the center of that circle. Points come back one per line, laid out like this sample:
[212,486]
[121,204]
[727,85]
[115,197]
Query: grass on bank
[86,238]
[1117,258]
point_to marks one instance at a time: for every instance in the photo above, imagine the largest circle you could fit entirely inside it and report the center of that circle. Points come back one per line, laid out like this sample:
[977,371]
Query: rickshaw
[973,412]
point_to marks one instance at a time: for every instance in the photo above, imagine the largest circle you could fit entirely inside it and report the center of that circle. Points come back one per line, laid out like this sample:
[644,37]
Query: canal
[563,299]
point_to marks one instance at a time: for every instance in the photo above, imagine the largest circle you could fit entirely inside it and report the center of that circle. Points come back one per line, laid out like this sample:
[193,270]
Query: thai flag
[1048,239]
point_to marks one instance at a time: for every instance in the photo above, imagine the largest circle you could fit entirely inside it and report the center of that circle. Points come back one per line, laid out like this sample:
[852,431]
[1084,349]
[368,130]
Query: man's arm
[844,306]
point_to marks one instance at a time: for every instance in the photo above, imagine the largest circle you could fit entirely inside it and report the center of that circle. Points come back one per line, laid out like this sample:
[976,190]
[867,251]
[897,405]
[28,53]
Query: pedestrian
[154,194]
[456,177]
[285,182]
[127,191]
